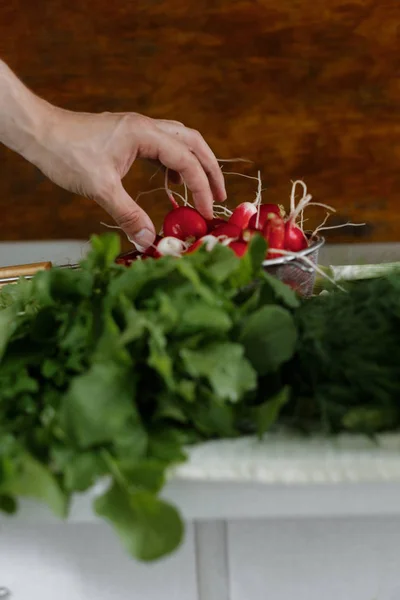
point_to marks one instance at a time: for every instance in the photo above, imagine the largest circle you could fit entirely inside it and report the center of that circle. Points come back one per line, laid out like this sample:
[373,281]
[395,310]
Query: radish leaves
[109,372]
[269,337]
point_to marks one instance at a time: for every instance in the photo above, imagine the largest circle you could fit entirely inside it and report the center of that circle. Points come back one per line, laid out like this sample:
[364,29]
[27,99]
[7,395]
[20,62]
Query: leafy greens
[108,373]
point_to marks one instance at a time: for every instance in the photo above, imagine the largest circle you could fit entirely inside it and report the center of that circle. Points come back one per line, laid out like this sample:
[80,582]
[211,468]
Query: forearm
[23,115]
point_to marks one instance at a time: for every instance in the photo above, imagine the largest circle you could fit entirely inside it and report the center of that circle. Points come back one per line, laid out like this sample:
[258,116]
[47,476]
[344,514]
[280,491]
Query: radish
[128,258]
[208,240]
[152,250]
[195,246]
[296,287]
[215,222]
[227,229]
[295,240]
[184,223]
[257,221]
[239,248]
[249,233]
[171,246]
[242,215]
[274,233]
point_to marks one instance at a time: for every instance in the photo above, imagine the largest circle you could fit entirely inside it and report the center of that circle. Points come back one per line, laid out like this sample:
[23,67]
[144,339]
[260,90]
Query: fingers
[135,223]
[173,176]
[199,147]
[176,155]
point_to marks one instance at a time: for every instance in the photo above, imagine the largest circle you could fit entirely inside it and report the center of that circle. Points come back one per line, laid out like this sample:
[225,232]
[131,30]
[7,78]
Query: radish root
[241,175]
[110,226]
[258,198]
[348,224]
[155,173]
[169,192]
[293,193]
[162,189]
[232,160]
[221,210]
[298,211]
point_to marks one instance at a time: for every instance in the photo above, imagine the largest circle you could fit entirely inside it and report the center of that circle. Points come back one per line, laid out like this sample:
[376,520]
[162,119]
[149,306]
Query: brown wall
[304,88]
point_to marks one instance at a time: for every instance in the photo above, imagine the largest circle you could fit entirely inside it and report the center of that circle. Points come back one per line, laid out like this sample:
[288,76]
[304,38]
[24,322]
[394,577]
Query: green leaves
[7,327]
[201,317]
[281,292]
[269,338]
[370,419]
[348,357]
[99,405]
[266,414]
[224,367]
[81,469]
[31,479]
[149,528]
[105,250]
[249,267]
[111,372]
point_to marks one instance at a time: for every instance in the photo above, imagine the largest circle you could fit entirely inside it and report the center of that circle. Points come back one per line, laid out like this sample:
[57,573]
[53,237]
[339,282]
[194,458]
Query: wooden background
[305,89]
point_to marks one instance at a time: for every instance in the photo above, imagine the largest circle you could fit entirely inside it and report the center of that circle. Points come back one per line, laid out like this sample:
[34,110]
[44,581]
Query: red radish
[208,240]
[227,229]
[128,258]
[295,240]
[215,222]
[195,246]
[257,221]
[152,250]
[294,285]
[242,214]
[151,253]
[239,248]
[184,223]
[249,233]
[274,233]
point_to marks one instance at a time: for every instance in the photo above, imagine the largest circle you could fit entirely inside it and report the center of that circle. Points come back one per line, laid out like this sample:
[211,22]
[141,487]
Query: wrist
[24,117]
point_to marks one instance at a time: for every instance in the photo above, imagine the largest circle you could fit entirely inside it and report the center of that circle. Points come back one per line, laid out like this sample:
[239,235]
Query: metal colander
[296,272]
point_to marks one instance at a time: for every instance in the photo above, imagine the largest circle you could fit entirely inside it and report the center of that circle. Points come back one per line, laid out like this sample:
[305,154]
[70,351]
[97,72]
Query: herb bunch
[107,373]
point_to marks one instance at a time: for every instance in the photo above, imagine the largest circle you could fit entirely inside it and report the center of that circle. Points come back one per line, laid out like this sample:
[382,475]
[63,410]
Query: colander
[294,270]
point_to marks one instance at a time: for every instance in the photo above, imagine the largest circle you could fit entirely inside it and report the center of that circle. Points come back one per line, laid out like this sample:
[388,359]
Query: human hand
[89,154]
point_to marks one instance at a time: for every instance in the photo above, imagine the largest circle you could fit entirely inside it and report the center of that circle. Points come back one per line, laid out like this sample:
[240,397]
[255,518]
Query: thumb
[132,219]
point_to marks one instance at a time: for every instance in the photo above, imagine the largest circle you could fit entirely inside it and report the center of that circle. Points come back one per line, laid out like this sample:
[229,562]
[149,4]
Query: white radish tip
[225,241]
[209,242]
[170,246]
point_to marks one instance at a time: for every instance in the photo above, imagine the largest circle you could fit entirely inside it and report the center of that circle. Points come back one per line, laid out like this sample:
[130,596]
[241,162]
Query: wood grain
[304,89]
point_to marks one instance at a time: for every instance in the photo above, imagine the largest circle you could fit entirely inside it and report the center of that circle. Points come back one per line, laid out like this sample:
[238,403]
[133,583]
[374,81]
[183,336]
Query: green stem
[114,470]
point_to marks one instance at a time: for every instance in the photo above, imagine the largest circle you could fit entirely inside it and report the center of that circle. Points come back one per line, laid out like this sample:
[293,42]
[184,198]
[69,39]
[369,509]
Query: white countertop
[65,251]
[279,477]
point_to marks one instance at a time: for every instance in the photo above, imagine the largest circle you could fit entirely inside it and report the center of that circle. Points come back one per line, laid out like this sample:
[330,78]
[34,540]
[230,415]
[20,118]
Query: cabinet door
[85,561]
[315,559]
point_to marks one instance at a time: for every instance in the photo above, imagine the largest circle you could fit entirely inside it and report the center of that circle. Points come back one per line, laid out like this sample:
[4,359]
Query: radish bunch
[185,229]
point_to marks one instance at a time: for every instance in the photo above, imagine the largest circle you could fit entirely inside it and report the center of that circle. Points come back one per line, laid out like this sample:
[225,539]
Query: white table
[281,520]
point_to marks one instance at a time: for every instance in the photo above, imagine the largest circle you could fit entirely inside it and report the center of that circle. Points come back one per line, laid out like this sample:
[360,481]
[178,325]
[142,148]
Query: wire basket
[296,272]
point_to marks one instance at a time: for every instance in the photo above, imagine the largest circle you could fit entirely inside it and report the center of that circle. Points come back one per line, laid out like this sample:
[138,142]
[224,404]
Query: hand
[89,154]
